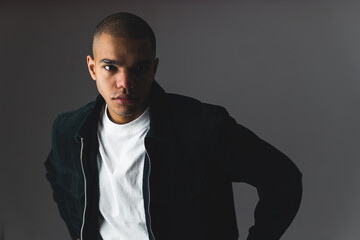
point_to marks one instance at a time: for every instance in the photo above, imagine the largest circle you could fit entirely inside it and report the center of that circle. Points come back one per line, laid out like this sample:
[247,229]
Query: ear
[91,66]
[156,62]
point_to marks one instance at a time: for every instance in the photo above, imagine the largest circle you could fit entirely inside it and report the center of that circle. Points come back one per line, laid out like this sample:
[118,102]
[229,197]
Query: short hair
[126,25]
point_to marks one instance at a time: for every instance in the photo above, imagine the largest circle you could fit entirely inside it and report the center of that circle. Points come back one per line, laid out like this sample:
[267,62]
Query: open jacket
[194,153]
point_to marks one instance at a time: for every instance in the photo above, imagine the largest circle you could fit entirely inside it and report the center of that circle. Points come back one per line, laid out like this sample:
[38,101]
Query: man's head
[123,64]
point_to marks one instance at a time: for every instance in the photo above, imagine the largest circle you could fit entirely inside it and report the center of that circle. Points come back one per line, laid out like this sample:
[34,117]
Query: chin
[127,112]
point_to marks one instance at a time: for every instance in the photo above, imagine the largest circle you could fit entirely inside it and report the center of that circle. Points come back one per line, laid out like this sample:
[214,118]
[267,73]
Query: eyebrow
[114,62]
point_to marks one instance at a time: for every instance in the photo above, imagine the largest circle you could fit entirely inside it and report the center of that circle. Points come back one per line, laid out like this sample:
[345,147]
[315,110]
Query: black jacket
[194,153]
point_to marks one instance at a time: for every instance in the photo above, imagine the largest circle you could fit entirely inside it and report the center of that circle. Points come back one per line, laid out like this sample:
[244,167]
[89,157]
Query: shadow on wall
[2,232]
[12,232]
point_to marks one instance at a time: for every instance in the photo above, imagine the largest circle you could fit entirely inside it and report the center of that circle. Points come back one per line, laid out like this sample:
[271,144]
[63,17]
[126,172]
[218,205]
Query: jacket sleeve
[52,167]
[247,158]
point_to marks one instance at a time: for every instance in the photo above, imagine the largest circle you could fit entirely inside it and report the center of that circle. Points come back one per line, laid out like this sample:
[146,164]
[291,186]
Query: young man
[139,163]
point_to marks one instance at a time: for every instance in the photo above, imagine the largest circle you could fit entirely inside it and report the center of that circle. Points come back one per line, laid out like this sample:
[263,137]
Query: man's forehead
[108,44]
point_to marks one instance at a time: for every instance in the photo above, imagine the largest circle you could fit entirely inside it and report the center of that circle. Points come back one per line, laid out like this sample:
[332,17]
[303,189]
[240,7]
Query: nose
[123,80]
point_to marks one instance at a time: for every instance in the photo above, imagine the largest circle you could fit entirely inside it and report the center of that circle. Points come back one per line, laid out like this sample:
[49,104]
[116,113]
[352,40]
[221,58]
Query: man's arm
[58,194]
[247,158]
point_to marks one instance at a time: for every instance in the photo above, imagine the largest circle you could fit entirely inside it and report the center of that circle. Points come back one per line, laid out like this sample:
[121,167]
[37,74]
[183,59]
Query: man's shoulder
[178,99]
[192,107]
[68,123]
[76,116]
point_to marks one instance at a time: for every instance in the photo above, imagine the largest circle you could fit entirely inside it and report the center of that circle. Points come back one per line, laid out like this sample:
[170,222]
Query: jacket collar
[158,110]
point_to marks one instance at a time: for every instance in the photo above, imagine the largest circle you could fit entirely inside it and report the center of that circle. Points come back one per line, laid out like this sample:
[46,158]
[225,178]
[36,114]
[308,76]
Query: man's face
[123,69]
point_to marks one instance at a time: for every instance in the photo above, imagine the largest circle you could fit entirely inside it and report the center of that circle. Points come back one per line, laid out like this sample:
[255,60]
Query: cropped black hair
[126,25]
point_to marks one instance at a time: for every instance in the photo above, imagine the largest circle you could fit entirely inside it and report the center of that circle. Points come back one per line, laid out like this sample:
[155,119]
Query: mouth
[125,100]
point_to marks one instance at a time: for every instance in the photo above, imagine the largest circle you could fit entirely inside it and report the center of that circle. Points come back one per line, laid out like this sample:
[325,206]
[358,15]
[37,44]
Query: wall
[288,70]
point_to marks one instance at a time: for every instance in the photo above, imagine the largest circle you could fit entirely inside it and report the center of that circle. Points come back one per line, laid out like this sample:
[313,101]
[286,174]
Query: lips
[125,100]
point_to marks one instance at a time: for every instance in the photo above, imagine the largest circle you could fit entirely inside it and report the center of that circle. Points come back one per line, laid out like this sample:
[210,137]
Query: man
[139,163]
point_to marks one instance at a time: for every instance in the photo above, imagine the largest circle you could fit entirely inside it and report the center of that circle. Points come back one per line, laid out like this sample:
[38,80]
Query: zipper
[85,201]
[148,183]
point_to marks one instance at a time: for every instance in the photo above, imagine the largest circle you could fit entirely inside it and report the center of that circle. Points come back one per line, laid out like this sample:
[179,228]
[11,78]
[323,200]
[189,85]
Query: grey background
[288,70]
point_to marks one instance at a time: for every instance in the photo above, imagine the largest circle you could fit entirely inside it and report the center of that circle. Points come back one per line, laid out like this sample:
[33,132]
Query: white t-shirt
[121,164]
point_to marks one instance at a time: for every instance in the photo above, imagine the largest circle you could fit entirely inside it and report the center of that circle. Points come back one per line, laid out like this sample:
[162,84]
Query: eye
[140,69]
[109,67]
